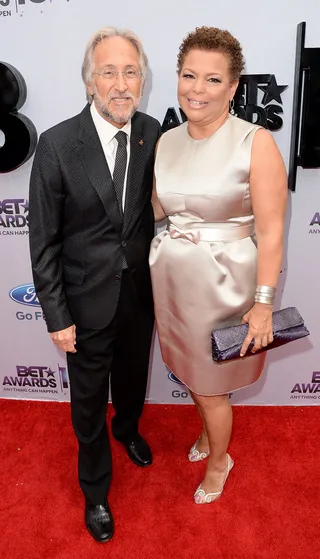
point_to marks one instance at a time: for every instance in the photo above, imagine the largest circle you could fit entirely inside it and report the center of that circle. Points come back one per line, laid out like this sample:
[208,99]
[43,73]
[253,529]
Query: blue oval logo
[25,295]
[173,378]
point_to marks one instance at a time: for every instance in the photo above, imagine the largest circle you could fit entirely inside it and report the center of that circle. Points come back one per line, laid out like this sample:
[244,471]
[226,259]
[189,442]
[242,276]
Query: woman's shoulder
[176,133]
[243,129]
[243,125]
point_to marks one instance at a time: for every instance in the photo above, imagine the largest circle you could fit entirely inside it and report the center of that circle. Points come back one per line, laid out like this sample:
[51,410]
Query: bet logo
[20,134]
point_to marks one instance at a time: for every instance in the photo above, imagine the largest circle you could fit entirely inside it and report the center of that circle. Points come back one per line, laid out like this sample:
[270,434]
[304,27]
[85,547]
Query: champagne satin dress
[204,266]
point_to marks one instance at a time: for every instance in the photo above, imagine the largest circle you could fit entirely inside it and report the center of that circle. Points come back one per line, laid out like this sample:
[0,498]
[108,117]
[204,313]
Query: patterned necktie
[120,167]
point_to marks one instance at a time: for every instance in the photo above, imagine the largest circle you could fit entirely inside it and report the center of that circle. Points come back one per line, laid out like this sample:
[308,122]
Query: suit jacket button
[124,243]
[118,278]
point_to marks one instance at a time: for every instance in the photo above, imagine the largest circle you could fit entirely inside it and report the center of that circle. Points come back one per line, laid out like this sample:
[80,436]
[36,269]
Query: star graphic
[25,206]
[50,373]
[272,91]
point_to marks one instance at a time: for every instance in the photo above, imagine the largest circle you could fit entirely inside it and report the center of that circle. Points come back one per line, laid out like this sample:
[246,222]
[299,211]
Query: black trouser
[121,348]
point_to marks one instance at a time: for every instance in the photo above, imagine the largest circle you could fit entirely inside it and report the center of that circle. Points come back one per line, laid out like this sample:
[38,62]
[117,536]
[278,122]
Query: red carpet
[269,509]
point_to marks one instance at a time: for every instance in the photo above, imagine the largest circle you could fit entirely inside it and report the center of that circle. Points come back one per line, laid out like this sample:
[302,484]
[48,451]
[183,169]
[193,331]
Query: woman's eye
[187,76]
[214,80]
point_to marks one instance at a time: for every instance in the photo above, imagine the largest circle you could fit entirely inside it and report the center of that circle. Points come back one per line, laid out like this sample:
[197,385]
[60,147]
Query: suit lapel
[135,172]
[94,161]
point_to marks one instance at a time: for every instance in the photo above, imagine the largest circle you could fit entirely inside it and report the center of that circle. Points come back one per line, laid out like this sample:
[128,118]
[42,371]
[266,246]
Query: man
[91,224]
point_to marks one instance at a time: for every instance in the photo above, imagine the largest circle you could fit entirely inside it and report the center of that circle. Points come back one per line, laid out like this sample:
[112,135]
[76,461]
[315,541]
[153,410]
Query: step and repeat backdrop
[45,40]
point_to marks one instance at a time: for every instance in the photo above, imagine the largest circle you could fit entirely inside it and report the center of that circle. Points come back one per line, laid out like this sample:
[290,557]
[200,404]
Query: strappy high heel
[201,497]
[196,456]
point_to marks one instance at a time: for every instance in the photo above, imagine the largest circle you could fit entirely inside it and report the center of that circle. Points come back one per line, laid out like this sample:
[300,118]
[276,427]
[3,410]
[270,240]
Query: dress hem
[217,393]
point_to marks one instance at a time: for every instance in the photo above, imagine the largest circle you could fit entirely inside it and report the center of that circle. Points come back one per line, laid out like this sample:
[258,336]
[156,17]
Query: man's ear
[90,89]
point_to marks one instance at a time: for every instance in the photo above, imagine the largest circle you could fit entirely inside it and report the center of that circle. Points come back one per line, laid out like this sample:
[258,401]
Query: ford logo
[173,378]
[25,295]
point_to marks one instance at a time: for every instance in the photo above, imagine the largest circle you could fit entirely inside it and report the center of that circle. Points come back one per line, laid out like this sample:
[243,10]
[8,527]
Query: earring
[231,106]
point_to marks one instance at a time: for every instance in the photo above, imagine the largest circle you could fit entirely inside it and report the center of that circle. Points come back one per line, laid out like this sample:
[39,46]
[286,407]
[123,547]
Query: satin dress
[204,266]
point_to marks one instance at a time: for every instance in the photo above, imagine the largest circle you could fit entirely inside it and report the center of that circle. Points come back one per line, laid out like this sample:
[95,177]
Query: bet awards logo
[14,216]
[18,6]
[315,224]
[307,391]
[37,379]
[248,106]
[253,91]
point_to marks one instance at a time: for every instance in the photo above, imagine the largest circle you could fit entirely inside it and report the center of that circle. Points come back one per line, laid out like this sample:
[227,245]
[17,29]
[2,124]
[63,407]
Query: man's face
[117,97]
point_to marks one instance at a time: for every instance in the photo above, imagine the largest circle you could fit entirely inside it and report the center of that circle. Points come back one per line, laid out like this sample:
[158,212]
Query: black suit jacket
[77,236]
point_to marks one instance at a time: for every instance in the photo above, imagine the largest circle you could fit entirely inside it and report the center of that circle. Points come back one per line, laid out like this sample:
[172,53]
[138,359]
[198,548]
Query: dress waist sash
[212,234]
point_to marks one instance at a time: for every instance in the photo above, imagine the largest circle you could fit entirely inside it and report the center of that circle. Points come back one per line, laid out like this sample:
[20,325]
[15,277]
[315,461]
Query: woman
[221,182]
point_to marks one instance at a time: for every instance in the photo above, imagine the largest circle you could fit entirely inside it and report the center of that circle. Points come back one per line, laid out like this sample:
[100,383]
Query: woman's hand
[259,319]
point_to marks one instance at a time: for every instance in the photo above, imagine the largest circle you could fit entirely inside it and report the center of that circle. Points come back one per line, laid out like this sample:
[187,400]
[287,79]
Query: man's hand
[65,339]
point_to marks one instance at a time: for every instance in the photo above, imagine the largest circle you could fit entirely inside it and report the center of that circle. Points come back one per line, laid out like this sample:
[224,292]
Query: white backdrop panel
[45,41]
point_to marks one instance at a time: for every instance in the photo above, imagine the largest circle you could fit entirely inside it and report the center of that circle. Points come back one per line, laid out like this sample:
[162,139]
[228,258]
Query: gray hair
[106,33]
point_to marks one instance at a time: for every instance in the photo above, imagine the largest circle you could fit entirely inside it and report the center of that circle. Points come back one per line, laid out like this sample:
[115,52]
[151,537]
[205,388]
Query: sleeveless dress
[204,266]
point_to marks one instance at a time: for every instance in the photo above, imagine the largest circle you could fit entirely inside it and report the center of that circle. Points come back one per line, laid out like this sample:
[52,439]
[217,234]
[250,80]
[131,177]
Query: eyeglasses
[129,74]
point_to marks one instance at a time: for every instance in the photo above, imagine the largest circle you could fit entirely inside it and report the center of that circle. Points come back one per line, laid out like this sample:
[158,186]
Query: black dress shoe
[99,521]
[139,451]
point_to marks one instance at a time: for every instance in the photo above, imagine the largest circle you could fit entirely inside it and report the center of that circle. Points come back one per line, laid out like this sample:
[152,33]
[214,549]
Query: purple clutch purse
[288,325]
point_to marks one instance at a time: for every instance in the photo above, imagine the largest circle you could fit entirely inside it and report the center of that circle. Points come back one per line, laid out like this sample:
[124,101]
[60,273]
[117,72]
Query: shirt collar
[107,131]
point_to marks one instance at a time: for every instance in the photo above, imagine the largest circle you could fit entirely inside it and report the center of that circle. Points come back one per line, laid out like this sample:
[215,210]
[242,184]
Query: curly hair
[216,40]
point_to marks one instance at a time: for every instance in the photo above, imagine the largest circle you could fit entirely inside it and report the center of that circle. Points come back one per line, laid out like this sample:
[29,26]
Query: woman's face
[204,86]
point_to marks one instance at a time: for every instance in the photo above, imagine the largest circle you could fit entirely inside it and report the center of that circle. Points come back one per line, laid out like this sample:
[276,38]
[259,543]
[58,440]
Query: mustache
[121,96]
